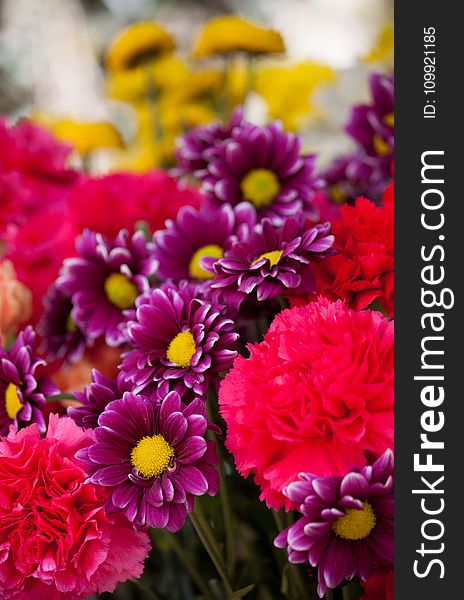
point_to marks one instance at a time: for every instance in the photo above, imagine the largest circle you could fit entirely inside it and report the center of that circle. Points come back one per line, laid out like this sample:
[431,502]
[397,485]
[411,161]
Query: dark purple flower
[367,171]
[262,165]
[154,457]
[347,523]
[372,125]
[269,261]
[61,338]
[22,393]
[196,236]
[95,397]
[197,147]
[177,337]
[105,280]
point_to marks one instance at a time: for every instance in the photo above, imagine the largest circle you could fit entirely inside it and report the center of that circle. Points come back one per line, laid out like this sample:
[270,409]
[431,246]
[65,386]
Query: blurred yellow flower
[239,81]
[139,158]
[231,33]
[383,49]
[86,136]
[167,72]
[288,90]
[198,85]
[138,44]
[178,118]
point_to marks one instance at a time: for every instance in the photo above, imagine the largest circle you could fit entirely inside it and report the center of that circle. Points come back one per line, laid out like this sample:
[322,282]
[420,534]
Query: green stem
[210,544]
[189,565]
[147,591]
[62,396]
[224,494]
[227,515]
[283,520]
[279,520]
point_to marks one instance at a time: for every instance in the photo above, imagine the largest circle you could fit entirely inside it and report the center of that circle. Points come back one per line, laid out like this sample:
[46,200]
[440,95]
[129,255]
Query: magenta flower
[23,393]
[269,261]
[197,147]
[61,337]
[262,165]
[368,169]
[154,457]
[177,337]
[347,523]
[200,236]
[105,280]
[95,397]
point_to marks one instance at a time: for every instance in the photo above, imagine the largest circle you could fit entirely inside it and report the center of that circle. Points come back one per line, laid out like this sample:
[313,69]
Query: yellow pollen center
[380,146]
[71,327]
[152,456]
[273,257]
[181,349]
[356,524]
[389,119]
[120,291]
[260,186]
[210,250]
[337,194]
[12,402]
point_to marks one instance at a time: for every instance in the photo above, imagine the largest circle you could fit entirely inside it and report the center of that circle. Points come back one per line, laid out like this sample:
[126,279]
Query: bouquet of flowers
[196,367]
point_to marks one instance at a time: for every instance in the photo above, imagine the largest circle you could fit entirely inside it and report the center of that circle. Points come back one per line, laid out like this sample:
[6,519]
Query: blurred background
[52,68]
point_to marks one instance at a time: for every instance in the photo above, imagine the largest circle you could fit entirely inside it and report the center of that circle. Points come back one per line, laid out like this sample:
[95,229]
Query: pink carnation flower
[109,203]
[56,540]
[34,172]
[314,396]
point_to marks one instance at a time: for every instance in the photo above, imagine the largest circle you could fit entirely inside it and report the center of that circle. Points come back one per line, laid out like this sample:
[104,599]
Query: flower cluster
[186,329]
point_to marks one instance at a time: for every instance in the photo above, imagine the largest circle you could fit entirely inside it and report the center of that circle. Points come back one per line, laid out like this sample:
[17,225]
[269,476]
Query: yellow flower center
[120,291]
[273,257]
[381,146]
[181,349]
[260,186]
[356,524]
[337,194]
[195,270]
[152,456]
[71,327]
[12,402]
[389,119]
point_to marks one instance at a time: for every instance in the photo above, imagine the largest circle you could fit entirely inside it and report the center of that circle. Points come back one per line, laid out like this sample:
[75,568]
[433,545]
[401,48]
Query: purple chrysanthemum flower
[95,397]
[262,165]
[154,457]
[269,261]
[105,280]
[179,338]
[197,147]
[61,337]
[22,393]
[199,236]
[367,171]
[372,125]
[347,523]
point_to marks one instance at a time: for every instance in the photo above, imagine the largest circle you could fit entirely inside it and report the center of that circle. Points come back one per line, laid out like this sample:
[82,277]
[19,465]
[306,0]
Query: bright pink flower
[37,250]
[33,172]
[56,540]
[107,204]
[362,269]
[315,395]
